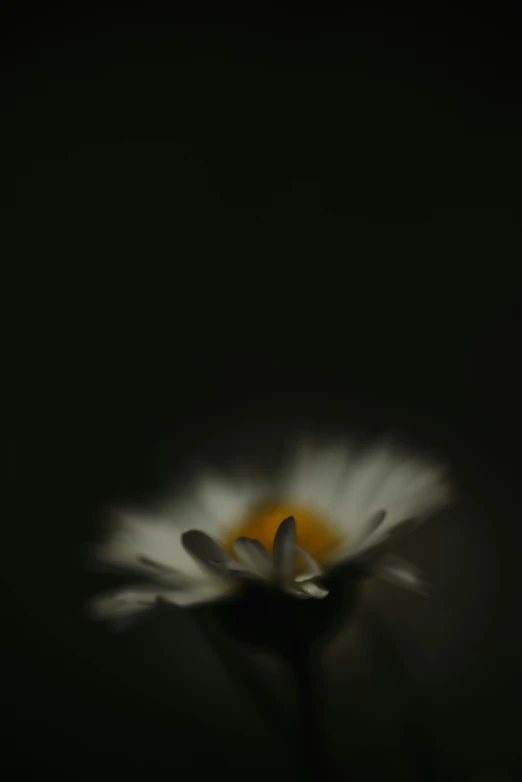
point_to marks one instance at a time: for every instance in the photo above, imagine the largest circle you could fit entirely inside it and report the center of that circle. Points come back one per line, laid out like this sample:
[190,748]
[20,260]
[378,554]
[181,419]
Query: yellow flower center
[313,533]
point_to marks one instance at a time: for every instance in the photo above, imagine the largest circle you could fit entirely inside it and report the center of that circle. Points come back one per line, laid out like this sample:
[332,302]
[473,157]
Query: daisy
[329,504]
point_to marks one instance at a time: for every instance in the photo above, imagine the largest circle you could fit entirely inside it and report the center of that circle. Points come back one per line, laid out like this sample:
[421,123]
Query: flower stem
[311,757]
[239,670]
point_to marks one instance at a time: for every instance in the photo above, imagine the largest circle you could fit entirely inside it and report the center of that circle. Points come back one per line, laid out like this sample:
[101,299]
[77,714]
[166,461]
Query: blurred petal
[373,550]
[284,553]
[369,535]
[163,574]
[385,477]
[314,474]
[131,601]
[224,500]
[314,589]
[401,573]
[144,544]
[374,522]
[252,553]
[204,549]
[297,592]
[312,566]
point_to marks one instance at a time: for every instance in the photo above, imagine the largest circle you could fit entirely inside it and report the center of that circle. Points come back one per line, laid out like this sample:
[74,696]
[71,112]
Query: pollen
[314,534]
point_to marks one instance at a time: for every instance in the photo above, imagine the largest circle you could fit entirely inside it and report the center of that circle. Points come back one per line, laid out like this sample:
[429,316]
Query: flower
[328,505]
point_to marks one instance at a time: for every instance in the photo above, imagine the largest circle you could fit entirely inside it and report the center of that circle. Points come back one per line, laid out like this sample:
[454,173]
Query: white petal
[312,566]
[384,480]
[374,522]
[315,475]
[297,592]
[134,539]
[134,542]
[401,573]
[166,576]
[254,555]
[369,532]
[307,590]
[284,552]
[313,589]
[131,601]
[203,548]
[226,502]
[361,484]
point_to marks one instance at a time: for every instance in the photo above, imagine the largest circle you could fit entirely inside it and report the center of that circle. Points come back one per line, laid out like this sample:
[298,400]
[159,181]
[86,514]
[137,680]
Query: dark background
[344,182]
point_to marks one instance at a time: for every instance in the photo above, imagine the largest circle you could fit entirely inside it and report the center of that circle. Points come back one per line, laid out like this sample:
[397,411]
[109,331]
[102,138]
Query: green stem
[312,762]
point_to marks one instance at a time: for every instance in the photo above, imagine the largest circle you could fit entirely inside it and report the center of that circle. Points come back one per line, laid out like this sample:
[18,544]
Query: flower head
[329,505]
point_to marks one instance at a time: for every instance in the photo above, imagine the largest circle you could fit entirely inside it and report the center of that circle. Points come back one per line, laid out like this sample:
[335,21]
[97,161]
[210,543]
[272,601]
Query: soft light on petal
[207,552]
[332,503]
[128,602]
[254,555]
[284,553]
[226,501]
[314,589]
[134,542]
[401,573]
[384,480]
[311,567]
[315,475]
[313,533]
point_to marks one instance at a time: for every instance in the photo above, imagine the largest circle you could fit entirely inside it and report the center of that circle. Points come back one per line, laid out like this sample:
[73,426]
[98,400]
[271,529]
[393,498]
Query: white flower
[328,504]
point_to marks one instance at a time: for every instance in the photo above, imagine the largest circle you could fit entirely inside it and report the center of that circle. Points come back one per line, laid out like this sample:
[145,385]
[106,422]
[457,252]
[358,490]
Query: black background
[343,182]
